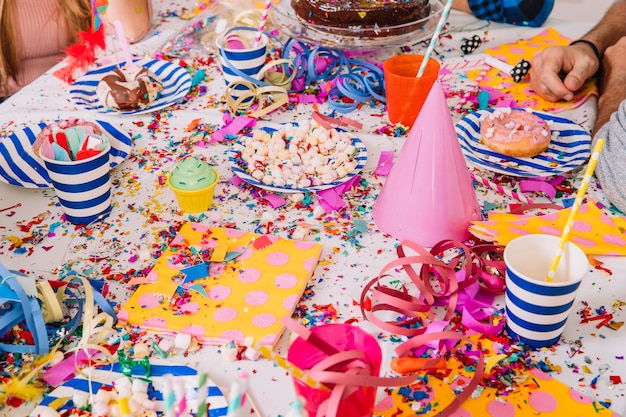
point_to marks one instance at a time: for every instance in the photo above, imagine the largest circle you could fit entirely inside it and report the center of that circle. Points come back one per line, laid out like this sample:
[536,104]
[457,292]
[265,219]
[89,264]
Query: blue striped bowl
[20,166]
[176,85]
[569,149]
[537,310]
[107,376]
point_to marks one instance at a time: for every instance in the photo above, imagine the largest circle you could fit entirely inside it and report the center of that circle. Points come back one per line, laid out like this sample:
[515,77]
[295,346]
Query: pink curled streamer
[453,284]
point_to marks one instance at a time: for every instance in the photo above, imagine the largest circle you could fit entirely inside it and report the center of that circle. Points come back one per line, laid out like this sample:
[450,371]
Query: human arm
[578,62]
[611,125]
[134,15]
[461,5]
[612,82]
[611,170]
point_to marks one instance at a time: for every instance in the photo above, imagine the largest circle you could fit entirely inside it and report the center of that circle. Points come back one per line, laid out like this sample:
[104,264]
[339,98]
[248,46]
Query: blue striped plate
[238,166]
[218,405]
[569,149]
[21,167]
[176,84]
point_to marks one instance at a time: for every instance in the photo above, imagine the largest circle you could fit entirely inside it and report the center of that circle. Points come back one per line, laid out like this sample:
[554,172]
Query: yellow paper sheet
[244,296]
[521,93]
[592,230]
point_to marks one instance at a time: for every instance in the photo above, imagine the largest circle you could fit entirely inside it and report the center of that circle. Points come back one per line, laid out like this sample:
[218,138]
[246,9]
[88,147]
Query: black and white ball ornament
[520,70]
[470,45]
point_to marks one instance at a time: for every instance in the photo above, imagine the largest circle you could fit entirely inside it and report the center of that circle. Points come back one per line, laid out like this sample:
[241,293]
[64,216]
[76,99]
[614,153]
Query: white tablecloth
[142,208]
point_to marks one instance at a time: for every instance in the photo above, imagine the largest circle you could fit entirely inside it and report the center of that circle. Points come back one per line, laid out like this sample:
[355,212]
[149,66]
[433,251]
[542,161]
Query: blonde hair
[77,14]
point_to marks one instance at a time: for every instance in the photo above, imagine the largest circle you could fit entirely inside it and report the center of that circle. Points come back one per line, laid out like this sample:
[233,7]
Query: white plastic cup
[537,310]
[83,187]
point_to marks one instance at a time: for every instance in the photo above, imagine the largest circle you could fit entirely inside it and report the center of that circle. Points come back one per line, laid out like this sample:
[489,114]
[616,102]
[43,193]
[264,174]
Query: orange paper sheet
[257,280]
[521,93]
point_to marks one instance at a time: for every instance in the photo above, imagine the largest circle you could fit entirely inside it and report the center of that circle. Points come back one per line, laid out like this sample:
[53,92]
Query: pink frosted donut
[517,133]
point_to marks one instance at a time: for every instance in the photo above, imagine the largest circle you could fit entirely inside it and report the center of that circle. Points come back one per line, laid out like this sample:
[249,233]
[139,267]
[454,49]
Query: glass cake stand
[292,26]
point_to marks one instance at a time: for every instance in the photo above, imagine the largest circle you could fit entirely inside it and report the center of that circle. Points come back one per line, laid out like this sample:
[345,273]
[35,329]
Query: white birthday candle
[237,396]
[169,397]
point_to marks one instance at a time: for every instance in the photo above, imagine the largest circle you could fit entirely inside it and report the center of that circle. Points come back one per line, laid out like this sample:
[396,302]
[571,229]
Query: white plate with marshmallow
[297,158]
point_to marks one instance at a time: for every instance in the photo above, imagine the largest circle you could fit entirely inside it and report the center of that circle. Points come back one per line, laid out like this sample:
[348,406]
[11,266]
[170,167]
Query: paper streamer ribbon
[346,371]
[455,282]
[352,81]
[479,266]
[265,91]
[37,304]
[127,365]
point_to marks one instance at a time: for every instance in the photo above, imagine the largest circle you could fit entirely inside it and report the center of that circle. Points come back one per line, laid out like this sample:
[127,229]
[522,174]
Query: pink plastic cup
[343,337]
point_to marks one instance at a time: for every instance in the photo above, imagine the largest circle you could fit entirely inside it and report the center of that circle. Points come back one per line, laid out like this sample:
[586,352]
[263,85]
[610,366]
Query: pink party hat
[428,195]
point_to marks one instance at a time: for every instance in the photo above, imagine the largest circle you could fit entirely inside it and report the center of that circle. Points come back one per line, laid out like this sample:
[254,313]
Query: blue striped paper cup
[239,56]
[83,187]
[537,310]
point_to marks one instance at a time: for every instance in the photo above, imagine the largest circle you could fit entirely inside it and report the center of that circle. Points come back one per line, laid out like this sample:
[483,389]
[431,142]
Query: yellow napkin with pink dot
[521,93]
[593,230]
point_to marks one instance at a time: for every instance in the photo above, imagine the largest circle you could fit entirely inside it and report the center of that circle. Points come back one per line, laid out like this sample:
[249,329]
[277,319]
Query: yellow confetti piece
[15,240]
[362,15]
[219,253]
[492,361]
[586,369]
[615,325]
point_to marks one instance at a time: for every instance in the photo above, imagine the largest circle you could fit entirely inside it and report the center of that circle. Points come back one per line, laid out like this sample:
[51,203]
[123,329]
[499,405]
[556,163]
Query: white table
[346,269]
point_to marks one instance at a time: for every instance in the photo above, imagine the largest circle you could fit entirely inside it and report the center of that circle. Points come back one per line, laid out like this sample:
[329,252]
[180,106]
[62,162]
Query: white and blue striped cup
[537,310]
[83,187]
[244,60]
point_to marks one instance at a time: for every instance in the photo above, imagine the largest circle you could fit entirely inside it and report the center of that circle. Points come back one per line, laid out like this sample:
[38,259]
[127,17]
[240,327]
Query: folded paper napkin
[592,230]
[520,94]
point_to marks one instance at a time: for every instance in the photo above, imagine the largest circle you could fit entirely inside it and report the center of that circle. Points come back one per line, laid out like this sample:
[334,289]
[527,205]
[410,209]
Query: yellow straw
[286,365]
[577,201]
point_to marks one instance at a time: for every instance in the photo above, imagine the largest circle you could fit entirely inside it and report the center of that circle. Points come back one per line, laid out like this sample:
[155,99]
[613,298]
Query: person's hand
[576,63]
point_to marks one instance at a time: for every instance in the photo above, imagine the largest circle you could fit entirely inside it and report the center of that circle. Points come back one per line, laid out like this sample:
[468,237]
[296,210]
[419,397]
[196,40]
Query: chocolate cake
[366,17]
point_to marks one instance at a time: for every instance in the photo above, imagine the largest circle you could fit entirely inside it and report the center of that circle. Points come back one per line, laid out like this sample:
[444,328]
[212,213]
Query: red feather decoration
[93,38]
[82,54]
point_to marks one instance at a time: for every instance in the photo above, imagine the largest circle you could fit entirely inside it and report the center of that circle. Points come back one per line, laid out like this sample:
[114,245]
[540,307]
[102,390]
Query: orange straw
[577,201]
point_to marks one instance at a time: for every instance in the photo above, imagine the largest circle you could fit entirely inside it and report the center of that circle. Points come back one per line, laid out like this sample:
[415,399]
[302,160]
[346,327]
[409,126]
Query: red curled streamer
[482,264]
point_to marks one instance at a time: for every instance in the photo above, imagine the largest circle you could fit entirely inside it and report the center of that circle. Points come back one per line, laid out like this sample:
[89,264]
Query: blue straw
[433,41]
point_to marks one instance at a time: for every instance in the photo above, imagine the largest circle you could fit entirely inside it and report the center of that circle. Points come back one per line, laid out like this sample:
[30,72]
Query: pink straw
[130,64]
[266,11]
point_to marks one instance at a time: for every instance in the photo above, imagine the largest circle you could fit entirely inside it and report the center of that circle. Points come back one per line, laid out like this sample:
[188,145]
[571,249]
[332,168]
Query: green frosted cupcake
[193,182]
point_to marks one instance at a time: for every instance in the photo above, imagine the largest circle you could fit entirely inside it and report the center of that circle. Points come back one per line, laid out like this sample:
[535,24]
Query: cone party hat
[428,195]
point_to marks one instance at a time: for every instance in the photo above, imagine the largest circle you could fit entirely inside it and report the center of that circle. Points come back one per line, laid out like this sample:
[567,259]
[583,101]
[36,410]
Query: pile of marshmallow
[298,156]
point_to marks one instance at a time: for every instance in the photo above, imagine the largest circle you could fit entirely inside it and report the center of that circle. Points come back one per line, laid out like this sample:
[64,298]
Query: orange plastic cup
[405,92]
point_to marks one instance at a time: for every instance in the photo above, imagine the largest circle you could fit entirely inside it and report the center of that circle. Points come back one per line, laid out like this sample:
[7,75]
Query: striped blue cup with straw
[241,56]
